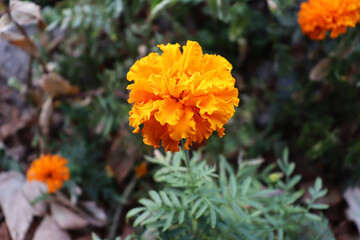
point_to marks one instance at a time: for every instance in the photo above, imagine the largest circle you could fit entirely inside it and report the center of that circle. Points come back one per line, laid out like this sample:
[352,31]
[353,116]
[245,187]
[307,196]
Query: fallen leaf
[65,218]
[25,13]
[352,197]
[56,86]
[32,191]
[17,210]
[5,22]
[93,214]
[21,41]
[48,229]
[98,216]
[321,70]
[47,110]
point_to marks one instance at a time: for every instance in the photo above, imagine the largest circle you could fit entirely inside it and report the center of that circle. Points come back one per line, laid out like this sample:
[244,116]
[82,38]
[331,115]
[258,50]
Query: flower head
[316,17]
[50,169]
[178,95]
[141,170]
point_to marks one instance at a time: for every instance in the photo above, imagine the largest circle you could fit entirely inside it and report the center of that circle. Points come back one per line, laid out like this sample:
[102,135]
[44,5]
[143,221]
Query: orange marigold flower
[316,17]
[179,95]
[141,170]
[50,169]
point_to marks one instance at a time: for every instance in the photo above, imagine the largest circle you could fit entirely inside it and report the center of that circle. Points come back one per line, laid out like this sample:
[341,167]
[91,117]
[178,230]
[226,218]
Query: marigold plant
[181,95]
[50,169]
[316,17]
[141,170]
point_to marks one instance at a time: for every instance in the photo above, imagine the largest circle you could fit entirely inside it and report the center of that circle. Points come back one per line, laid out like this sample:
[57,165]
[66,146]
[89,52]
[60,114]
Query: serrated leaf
[319,206]
[295,180]
[148,203]
[195,206]
[290,169]
[134,211]
[245,186]
[155,196]
[201,210]
[294,197]
[285,156]
[181,217]
[233,186]
[169,219]
[165,199]
[154,217]
[141,218]
[241,214]
[318,184]
[212,217]
[312,216]
[174,199]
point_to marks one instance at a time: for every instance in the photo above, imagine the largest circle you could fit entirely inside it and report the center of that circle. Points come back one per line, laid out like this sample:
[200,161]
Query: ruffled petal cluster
[317,17]
[181,95]
[50,169]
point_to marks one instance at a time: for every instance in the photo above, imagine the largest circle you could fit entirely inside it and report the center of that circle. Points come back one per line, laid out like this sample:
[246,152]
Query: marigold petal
[141,113]
[152,132]
[208,104]
[141,91]
[185,126]
[169,144]
[171,54]
[144,68]
[169,112]
[192,54]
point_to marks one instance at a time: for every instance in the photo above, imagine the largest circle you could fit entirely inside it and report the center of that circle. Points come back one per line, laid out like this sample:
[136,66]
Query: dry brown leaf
[56,86]
[17,210]
[352,197]
[321,70]
[48,229]
[22,42]
[65,218]
[25,13]
[47,110]
[98,217]
[93,214]
[31,191]
[5,22]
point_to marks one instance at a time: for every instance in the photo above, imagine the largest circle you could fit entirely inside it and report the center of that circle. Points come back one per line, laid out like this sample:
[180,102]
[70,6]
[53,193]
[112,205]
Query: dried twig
[115,221]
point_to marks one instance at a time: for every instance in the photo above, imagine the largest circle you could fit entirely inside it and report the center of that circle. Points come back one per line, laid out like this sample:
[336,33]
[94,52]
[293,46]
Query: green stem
[187,154]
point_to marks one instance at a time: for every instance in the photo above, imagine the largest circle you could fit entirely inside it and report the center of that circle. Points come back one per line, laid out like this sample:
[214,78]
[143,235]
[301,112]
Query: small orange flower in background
[316,17]
[141,170]
[181,95]
[50,169]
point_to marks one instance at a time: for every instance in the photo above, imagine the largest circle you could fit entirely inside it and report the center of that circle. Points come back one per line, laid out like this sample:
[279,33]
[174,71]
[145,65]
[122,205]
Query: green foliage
[87,171]
[197,203]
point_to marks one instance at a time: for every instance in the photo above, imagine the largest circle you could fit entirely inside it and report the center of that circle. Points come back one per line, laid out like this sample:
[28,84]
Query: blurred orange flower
[181,95]
[141,170]
[316,17]
[50,169]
